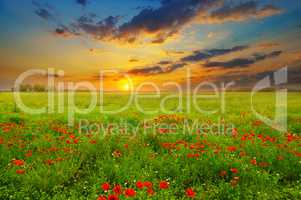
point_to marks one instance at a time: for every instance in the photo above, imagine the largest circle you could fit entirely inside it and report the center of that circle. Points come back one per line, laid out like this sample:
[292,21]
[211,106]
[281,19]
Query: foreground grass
[42,158]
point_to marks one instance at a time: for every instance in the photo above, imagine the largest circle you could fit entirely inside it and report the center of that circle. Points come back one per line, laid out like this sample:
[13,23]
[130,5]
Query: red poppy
[101,198]
[231,148]
[105,186]
[148,184]
[68,141]
[113,197]
[1,140]
[92,141]
[20,171]
[28,154]
[164,185]
[254,161]
[130,192]
[234,170]
[117,189]
[18,162]
[223,173]
[190,193]
[139,185]
[150,192]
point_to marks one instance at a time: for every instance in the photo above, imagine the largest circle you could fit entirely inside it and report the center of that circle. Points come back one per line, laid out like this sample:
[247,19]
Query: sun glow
[126,87]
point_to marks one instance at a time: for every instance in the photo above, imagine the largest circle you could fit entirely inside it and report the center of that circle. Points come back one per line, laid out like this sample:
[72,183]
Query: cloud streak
[202,55]
[242,62]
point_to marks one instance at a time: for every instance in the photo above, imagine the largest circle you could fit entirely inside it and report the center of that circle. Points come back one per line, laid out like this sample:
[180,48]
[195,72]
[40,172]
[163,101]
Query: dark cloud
[44,13]
[101,30]
[243,62]
[133,60]
[64,31]
[164,62]
[147,71]
[88,18]
[164,21]
[174,67]
[206,54]
[243,11]
[82,2]
[155,70]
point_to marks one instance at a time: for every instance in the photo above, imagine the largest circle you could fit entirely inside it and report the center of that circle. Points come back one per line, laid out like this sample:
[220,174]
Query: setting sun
[126,87]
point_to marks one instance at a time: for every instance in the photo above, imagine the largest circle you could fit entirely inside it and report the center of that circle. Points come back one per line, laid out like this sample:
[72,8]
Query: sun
[126,87]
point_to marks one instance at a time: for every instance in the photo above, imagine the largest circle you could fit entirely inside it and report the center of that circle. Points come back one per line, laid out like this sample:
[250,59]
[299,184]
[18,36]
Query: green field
[232,155]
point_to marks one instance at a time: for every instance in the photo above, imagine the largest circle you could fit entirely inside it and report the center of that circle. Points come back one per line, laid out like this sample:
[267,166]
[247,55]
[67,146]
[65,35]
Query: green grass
[61,163]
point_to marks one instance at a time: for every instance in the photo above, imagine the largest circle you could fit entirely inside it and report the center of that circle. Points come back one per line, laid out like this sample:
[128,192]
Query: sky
[151,40]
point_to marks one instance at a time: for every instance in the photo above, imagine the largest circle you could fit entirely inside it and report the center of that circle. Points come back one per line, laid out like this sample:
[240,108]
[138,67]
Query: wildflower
[223,173]
[117,154]
[139,185]
[130,192]
[150,192]
[117,189]
[1,140]
[92,141]
[28,154]
[234,170]
[101,198]
[68,141]
[49,162]
[254,162]
[18,162]
[20,171]
[164,185]
[190,193]
[231,148]
[113,197]
[105,186]
[148,184]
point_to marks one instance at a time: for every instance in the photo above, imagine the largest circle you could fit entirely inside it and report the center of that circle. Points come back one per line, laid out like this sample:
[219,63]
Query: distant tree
[39,88]
[25,88]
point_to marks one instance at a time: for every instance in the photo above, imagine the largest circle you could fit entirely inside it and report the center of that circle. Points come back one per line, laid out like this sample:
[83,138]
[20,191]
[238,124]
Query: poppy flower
[20,171]
[117,189]
[231,148]
[254,162]
[117,154]
[105,186]
[28,154]
[101,198]
[92,141]
[113,197]
[139,185]
[148,184]
[164,185]
[223,173]
[190,193]
[150,192]
[18,162]
[130,192]
[234,170]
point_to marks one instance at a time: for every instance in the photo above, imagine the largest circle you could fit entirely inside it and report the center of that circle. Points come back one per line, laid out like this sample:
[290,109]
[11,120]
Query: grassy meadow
[232,155]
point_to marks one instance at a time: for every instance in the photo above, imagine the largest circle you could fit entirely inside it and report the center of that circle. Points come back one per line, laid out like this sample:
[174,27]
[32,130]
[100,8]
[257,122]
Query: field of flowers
[42,158]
